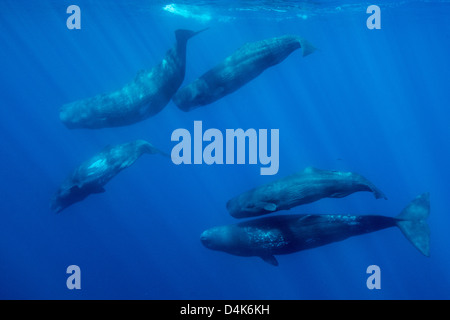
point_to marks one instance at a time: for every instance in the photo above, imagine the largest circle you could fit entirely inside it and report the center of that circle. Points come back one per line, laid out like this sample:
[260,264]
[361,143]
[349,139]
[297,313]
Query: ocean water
[369,101]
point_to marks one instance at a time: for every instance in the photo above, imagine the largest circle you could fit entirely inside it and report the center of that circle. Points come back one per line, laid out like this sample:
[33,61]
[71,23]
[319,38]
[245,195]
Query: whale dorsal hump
[105,149]
[311,170]
[270,259]
[139,74]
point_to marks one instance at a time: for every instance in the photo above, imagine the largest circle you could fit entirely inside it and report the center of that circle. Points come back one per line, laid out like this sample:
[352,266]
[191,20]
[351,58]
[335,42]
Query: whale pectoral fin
[98,190]
[338,195]
[269,206]
[270,259]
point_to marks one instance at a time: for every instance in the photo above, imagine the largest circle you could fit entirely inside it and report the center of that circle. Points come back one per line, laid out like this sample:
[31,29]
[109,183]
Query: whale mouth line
[205,239]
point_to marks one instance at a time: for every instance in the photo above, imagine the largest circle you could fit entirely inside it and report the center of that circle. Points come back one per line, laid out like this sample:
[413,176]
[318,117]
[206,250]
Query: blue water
[369,101]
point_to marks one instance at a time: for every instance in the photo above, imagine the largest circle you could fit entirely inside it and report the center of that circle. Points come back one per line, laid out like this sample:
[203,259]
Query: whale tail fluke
[164,154]
[377,192]
[412,223]
[147,147]
[183,35]
[307,47]
[154,150]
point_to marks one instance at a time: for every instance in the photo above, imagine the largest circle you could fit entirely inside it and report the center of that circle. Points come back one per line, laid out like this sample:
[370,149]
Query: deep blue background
[370,101]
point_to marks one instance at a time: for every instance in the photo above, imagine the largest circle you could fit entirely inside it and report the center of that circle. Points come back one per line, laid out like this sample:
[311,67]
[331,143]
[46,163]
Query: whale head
[222,238]
[214,238]
[196,94]
[65,197]
[71,192]
[72,116]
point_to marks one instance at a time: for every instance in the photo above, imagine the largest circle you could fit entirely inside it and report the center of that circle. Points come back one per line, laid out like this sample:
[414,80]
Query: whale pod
[285,234]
